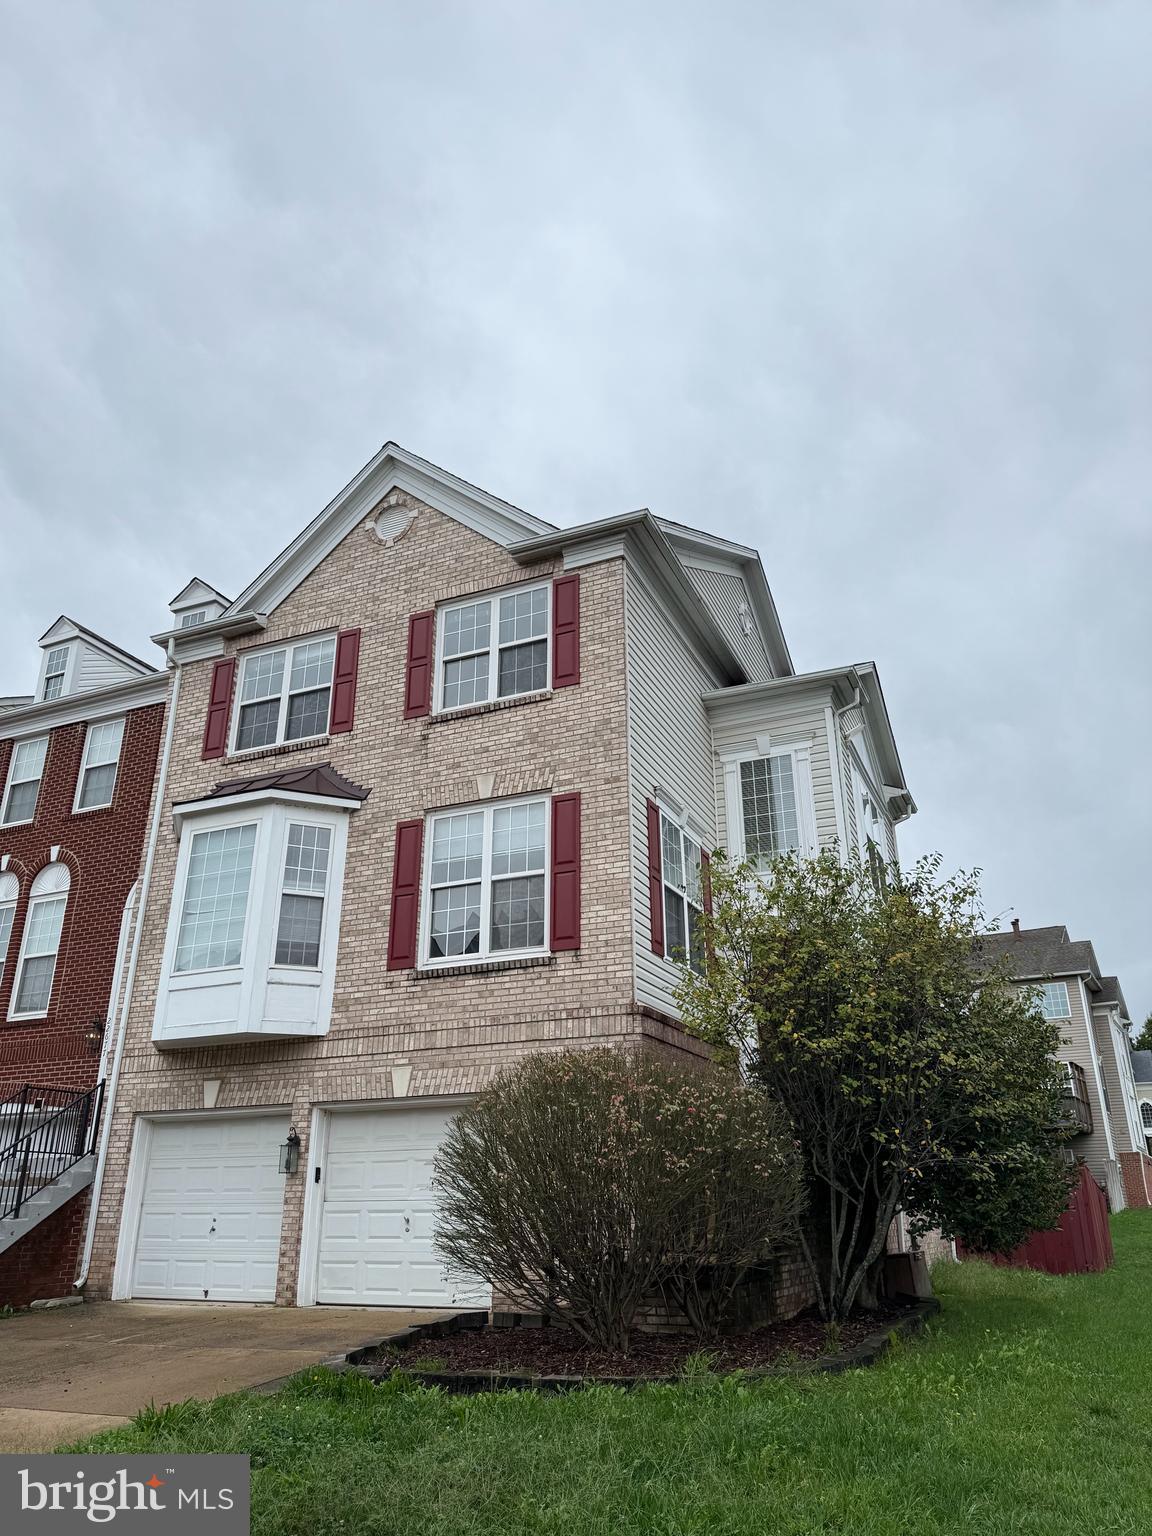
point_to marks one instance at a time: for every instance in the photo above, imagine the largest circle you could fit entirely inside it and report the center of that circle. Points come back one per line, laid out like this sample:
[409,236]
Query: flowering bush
[583,1181]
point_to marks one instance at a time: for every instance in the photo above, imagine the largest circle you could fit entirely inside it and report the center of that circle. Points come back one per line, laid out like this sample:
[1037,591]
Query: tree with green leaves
[1143,1041]
[913,1079]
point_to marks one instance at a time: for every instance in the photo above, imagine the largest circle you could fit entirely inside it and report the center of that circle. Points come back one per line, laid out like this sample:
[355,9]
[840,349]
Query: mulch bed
[557,1352]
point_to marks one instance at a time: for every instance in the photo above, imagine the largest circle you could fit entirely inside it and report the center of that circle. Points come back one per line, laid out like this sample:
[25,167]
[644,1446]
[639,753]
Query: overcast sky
[866,286]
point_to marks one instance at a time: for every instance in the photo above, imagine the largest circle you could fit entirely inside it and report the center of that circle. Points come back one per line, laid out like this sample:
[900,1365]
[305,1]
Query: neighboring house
[1103,1102]
[77,765]
[440,792]
[1142,1075]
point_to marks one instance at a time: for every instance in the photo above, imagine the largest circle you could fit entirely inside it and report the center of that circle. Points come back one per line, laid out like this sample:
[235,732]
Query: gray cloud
[866,287]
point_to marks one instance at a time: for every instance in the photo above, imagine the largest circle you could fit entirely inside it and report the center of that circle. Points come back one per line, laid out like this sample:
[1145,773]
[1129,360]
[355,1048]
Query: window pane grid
[768,805]
[38,965]
[477,665]
[1054,1000]
[7,914]
[683,873]
[285,695]
[487,881]
[24,775]
[101,756]
[215,899]
[298,933]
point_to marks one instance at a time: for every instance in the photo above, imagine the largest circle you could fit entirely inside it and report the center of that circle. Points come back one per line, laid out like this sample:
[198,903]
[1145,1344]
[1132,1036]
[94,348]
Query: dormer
[76,660]
[197,604]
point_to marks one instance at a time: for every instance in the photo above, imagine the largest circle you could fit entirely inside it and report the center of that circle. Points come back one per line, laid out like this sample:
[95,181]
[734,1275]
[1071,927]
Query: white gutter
[143,887]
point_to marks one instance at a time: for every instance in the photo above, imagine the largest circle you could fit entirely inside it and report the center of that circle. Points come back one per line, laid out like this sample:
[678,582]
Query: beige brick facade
[454,1030]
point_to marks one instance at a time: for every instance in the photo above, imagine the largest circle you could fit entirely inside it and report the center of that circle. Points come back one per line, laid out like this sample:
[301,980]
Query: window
[43,925]
[191,620]
[1054,1000]
[55,671]
[1146,1114]
[9,891]
[682,864]
[494,647]
[285,694]
[302,900]
[768,807]
[98,768]
[24,777]
[211,934]
[486,881]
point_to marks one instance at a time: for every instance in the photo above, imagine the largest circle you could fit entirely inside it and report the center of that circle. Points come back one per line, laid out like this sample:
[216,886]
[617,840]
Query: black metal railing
[1077,1106]
[48,1138]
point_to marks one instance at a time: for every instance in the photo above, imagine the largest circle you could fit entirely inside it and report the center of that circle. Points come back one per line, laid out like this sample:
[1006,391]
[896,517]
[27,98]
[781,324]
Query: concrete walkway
[68,1373]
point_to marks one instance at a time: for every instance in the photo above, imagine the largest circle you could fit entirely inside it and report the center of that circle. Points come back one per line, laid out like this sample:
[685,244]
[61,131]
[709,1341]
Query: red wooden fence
[1081,1243]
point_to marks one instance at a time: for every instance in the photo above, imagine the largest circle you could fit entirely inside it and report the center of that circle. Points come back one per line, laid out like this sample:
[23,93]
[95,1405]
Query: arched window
[1146,1114]
[42,927]
[9,891]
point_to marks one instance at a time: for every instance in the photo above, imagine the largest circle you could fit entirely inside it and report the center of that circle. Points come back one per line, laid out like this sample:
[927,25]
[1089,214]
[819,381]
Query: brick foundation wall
[44,1262]
[1136,1170]
[102,850]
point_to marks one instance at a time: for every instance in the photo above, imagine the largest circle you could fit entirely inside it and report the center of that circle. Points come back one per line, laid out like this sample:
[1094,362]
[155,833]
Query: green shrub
[582,1182]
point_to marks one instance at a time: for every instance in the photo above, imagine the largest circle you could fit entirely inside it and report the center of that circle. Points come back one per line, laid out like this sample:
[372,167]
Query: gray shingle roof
[1034,953]
[1110,993]
[1142,1066]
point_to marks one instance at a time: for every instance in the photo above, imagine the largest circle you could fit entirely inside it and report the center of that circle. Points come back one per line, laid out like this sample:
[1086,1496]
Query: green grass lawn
[1025,1409]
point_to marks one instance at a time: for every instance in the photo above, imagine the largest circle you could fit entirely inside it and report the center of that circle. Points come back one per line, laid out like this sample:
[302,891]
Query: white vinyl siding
[96,670]
[670,760]
[796,727]
[97,782]
[25,772]
[725,594]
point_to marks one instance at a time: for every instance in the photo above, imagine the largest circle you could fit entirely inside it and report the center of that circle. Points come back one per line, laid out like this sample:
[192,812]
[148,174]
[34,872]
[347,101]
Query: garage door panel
[379,1213]
[211,1210]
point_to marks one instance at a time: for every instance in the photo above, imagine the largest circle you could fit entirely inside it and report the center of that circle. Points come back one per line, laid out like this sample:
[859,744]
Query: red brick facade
[102,850]
[1136,1168]
[43,1262]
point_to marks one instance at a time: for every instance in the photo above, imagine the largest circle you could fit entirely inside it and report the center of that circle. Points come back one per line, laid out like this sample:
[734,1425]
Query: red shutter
[655,878]
[706,881]
[566,872]
[402,928]
[418,673]
[344,681]
[565,631]
[219,707]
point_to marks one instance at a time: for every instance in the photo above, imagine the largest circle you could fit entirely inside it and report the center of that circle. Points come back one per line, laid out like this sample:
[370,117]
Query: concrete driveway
[71,1372]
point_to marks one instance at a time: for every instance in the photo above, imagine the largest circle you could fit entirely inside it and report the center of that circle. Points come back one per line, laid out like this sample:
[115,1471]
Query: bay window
[486,881]
[254,922]
[285,694]
[494,647]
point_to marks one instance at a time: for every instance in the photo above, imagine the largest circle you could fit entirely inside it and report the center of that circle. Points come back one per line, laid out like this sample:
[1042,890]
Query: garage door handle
[406,1223]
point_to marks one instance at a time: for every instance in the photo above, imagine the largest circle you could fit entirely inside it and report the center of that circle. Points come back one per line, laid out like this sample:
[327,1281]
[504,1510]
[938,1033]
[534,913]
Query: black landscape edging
[867,1352]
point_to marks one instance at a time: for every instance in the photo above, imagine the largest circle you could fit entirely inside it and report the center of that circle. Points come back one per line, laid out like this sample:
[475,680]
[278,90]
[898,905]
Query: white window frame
[686,836]
[39,899]
[12,781]
[86,764]
[64,673]
[286,695]
[801,754]
[322,896]
[256,973]
[9,897]
[1051,986]
[485,955]
[193,618]
[494,646]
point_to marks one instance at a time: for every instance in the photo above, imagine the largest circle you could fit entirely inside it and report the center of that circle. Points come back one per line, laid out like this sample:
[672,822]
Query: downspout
[125,1002]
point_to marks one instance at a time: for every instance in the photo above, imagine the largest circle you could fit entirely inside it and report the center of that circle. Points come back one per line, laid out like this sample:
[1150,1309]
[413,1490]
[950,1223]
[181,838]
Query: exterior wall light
[290,1152]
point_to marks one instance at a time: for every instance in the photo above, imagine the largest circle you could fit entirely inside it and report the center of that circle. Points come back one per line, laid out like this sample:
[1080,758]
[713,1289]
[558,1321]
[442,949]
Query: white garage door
[379,1210]
[210,1217]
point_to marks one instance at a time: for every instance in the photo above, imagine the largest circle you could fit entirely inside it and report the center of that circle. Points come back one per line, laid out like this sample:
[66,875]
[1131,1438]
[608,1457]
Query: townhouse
[438,789]
[1104,1111]
[77,764]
